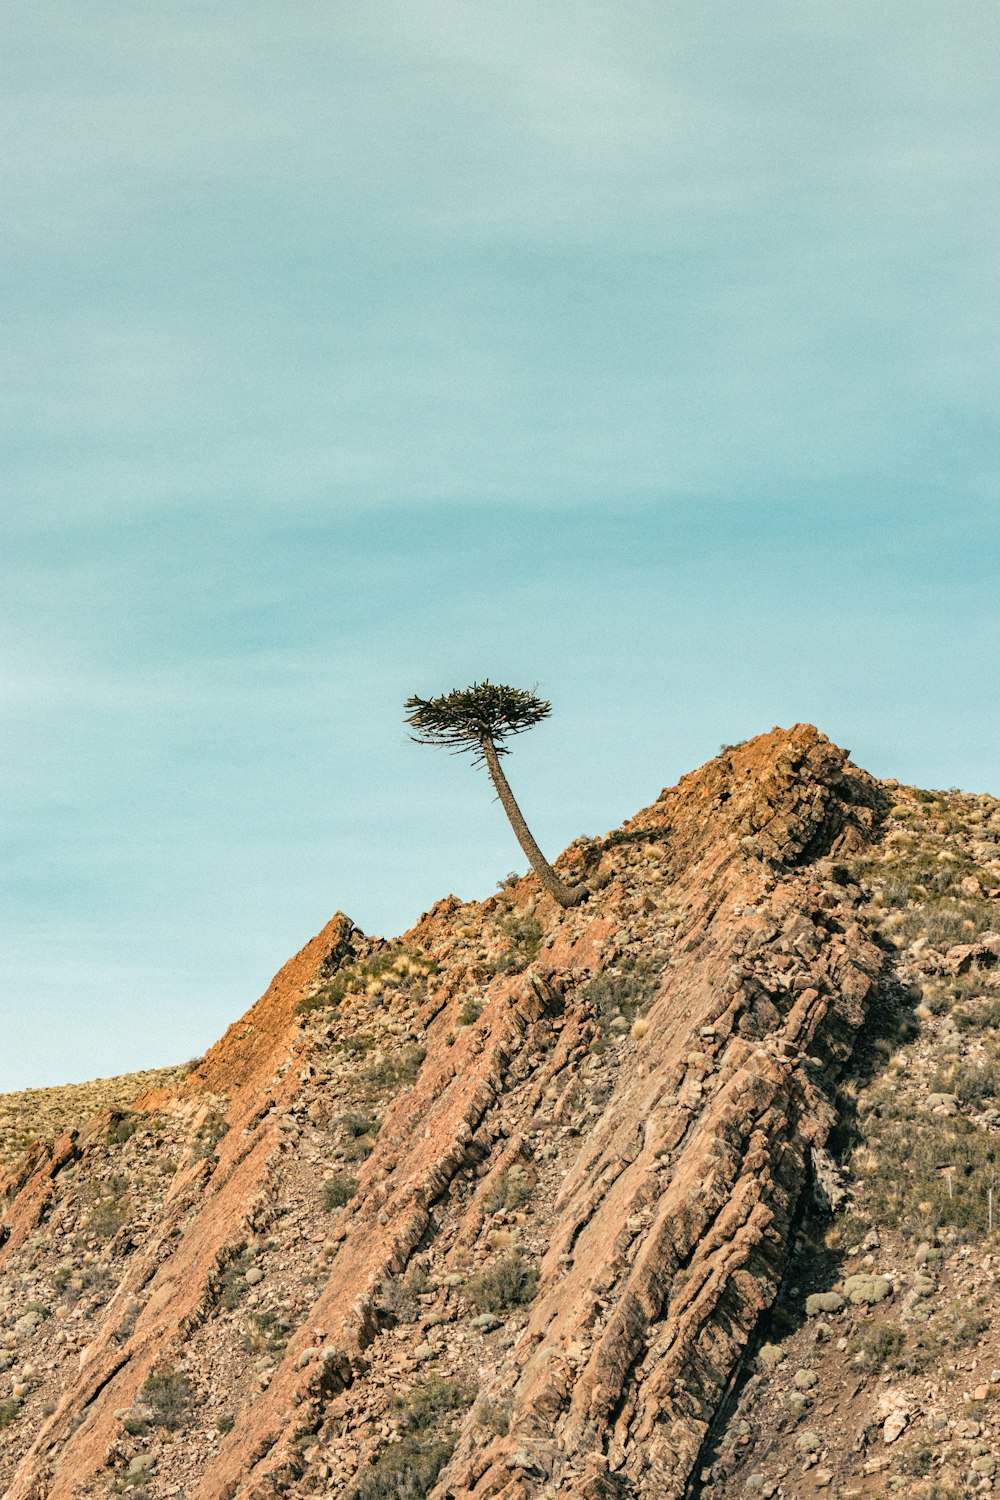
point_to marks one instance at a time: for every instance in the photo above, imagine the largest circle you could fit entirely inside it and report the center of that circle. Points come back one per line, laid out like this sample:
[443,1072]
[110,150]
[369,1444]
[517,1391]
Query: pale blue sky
[646,351]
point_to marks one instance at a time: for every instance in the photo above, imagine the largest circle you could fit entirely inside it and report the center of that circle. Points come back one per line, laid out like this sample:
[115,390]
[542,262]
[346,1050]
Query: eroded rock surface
[506,1200]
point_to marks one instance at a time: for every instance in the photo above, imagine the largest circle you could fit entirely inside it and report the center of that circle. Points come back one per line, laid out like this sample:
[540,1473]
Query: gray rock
[894,1426]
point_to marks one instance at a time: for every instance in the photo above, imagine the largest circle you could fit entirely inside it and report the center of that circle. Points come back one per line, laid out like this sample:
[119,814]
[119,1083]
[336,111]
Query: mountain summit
[688,1190]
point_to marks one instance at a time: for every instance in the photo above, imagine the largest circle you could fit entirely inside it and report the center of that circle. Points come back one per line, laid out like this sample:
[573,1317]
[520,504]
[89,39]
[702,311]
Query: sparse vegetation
[338,1191]
[521,938]
[393,974]
[265,1332]
[167,1395]
[877,1344]
[209,1134]
[233,1283]
[508,1191]
[510,1282]
[393,1073]
[624,990]
[408,1469]
[493,1415]
[109,1207]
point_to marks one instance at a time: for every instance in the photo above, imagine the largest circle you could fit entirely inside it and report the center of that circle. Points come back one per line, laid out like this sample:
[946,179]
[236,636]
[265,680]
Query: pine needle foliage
[465,717]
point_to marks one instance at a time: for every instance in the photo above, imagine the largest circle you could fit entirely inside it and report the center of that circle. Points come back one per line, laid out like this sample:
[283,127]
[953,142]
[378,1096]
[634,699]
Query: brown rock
[662,1188]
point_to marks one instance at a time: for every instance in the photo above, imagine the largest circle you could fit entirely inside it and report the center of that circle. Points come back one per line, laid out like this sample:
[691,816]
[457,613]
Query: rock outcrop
[503,1205]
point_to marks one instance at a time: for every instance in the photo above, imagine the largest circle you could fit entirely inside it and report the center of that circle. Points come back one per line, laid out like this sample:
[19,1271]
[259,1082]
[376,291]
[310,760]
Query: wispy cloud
[649,351]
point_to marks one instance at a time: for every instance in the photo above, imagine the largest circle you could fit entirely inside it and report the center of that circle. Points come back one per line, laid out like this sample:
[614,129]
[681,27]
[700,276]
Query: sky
[645,352]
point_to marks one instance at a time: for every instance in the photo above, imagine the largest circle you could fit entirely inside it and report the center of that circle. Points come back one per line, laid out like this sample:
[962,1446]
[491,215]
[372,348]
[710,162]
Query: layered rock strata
[657,1067]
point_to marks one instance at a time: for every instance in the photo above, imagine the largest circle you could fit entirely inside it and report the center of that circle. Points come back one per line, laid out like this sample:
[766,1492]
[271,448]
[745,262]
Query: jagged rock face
[572,1145]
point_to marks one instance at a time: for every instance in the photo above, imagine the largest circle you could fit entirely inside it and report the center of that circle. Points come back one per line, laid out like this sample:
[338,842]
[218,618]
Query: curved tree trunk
[565,895]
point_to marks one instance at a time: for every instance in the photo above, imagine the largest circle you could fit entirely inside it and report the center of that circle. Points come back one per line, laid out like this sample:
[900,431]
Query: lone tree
[479,718]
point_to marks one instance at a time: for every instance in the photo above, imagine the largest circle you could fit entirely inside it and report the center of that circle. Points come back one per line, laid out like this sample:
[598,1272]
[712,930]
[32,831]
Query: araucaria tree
[479,719]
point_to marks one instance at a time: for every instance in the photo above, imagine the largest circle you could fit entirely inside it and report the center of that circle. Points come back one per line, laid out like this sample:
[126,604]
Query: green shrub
[394,972]
[429,1403]
[511,1282]
[406,1470]
[876,1345]
[167,1394]
[233,1284]
[625,990]
[265,1332]
[521,938]
[493,1415]
[209,1134]
[122,1128]
[225,1423]
[338,1191]
[471,1011]
[508,1191]
[393,1073]
[8,1412]
[109,1208]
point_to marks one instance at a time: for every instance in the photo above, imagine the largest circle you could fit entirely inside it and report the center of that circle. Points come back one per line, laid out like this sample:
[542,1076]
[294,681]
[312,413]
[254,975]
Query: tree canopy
[468,717]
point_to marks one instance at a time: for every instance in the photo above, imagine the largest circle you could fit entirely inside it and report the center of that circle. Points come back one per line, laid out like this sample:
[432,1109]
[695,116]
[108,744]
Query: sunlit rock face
[509,1205]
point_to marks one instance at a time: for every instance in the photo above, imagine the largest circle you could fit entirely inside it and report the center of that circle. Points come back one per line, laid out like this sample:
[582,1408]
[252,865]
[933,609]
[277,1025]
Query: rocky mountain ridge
[527,1202]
